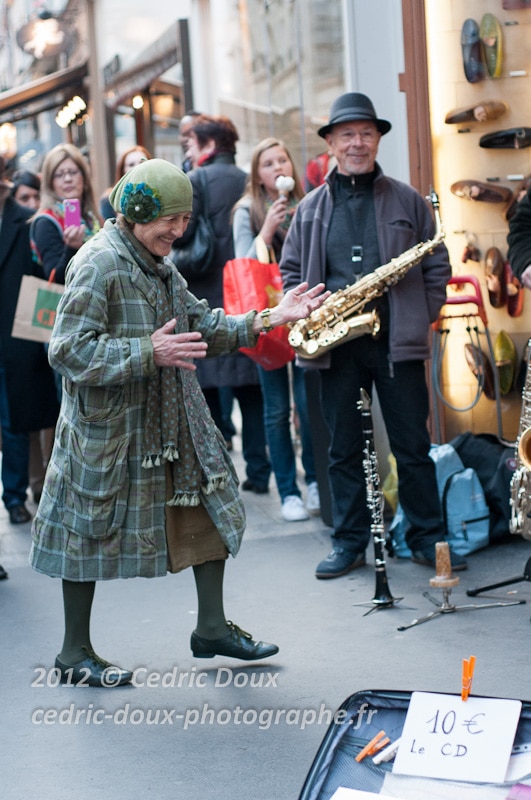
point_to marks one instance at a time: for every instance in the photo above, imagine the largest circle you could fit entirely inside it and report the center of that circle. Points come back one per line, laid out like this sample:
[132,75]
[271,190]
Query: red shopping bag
[248,284]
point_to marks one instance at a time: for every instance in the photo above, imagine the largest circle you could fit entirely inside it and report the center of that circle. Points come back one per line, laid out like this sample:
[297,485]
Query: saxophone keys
[295,338]
[341,330]
[311,347]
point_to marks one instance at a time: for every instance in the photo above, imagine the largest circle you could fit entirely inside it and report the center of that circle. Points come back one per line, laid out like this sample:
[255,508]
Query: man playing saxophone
[356,221]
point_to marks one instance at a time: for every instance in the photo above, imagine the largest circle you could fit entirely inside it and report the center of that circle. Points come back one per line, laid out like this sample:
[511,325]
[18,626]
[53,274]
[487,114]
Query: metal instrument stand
[525,577]
[377,604]
[446,584]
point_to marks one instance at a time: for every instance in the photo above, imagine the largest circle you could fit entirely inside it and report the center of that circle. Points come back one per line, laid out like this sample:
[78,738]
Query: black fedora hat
[353,107]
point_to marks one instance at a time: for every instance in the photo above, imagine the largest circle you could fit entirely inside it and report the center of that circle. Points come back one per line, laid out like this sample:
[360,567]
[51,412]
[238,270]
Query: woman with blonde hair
[260,222]
[65,176]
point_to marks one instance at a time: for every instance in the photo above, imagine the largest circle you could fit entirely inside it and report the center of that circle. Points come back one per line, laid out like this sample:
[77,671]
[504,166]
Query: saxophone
[520,499]
[340,318]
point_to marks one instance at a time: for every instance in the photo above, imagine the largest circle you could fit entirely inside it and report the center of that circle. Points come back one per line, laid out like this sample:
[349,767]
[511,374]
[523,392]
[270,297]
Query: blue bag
[466,515]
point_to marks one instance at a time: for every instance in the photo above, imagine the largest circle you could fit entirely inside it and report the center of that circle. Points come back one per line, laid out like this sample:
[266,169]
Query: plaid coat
[101,514]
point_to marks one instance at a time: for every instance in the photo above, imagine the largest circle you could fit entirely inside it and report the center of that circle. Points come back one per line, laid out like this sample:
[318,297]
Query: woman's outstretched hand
[297,303]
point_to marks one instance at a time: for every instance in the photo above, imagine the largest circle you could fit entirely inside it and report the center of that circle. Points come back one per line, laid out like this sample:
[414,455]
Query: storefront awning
[164,53]
[41,94]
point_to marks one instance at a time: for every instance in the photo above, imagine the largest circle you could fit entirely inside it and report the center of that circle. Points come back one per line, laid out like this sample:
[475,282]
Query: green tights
[78,597]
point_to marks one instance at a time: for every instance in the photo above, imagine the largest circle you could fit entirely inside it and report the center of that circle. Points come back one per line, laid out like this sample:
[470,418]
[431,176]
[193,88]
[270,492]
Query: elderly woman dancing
[140,482]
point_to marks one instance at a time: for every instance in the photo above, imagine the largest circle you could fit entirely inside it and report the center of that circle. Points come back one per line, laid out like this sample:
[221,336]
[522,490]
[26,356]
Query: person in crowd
[27,191]
[317,169]
[26,188]
[140,482]
[185,129]
[65,176]
[519,193]
[519,240]
[356,221]
[129,159]
[260,222]
[27,394]
[212,147]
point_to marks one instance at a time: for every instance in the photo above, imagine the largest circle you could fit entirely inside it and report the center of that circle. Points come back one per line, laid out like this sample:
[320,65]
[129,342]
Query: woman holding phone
[67,216]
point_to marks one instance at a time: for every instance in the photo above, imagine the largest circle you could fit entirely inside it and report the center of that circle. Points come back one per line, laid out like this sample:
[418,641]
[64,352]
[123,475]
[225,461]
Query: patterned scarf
[184,436]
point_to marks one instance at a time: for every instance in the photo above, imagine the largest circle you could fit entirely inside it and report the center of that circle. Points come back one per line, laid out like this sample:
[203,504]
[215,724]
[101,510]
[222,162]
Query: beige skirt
[191,536]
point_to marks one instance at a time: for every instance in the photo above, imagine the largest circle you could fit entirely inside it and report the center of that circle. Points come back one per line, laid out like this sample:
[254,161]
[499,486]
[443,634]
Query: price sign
[447,738]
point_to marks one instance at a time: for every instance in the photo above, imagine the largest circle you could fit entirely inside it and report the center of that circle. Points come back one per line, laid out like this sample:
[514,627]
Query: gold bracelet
[266,322]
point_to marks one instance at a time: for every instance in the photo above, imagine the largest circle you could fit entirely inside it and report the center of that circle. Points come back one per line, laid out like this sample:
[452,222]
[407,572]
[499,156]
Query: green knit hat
[154,188]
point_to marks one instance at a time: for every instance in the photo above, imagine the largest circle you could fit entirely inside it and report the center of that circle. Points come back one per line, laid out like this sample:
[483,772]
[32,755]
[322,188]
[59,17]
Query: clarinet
[375,504]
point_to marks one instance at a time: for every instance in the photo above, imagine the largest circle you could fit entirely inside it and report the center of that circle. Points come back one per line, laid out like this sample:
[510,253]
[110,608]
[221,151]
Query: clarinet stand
[446,581]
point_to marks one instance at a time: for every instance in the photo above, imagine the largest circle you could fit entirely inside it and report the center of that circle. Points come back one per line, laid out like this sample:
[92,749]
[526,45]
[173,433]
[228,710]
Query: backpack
[465,511]
[494,463]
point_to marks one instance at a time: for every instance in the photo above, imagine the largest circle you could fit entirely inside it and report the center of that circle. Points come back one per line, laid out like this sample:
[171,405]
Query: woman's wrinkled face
[159,235]
[68,181]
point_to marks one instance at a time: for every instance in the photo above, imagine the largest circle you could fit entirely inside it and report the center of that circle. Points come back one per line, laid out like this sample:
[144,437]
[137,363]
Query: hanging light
[137,102]
[70,111]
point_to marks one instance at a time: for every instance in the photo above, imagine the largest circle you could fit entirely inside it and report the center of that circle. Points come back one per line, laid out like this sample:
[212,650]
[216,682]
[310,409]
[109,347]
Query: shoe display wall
[478,160]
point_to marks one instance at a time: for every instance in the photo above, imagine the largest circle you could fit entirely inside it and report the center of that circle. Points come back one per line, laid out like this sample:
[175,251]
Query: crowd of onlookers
[250,218]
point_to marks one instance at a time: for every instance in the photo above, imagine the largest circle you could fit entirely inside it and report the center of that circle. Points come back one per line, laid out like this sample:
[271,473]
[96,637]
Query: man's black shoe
[427,558]
[257,488]
[3,573]
[18,515]
[339,562]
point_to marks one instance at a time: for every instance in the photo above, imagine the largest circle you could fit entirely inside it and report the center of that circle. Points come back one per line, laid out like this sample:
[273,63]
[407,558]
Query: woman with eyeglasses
[65,176]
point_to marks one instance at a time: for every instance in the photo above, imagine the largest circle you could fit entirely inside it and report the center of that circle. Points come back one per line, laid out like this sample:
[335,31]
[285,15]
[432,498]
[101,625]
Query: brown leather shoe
[481,367]
[495,275]
[515,292]
[481,112]
[484,192]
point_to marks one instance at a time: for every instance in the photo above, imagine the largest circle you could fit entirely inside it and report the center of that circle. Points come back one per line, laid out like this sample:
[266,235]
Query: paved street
[221,729]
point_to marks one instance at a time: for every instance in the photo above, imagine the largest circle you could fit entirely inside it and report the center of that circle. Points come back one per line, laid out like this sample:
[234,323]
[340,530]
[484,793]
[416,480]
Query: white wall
[374,60]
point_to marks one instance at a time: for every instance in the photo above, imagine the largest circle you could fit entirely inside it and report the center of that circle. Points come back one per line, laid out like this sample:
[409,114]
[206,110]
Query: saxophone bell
[520,499]
[524,448]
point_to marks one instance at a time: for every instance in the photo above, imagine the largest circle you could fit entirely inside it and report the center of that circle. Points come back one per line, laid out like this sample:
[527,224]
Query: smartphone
[72,212]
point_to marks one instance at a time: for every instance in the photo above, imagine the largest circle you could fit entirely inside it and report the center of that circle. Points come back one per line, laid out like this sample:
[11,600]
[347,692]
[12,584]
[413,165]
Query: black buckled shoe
[339,562]
[236,644]
[18,515]
[93,671]
[426,557]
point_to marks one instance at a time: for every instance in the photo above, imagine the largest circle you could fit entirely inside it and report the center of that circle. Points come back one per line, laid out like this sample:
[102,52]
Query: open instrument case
[365,714]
